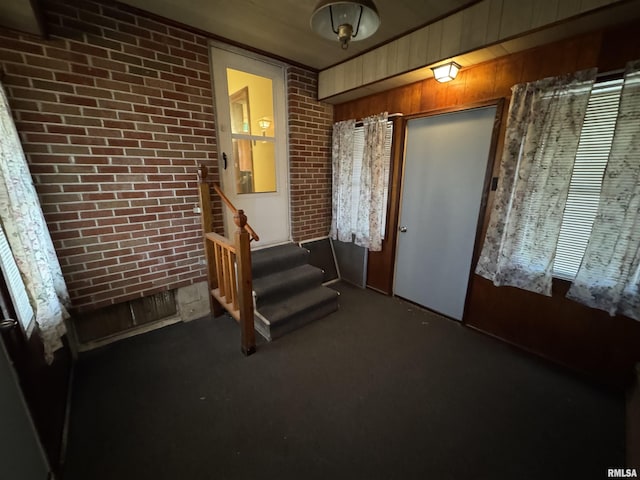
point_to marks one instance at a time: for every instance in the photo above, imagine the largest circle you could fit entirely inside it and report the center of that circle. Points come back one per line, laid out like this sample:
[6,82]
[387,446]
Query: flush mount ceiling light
[446,72]
[345,20]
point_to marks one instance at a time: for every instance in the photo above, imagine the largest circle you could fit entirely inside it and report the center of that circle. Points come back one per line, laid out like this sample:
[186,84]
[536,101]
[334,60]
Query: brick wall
[115,113]
[310,127]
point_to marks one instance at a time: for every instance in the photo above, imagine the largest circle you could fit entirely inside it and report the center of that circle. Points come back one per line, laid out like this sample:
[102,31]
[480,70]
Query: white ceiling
[282,27]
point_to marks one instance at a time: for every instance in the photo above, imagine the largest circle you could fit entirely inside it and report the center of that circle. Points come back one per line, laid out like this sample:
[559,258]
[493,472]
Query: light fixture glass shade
[264,123]
[446,72]
[345,20]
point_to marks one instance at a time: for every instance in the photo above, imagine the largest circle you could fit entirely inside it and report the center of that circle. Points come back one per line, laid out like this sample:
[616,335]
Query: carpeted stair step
[285,283]
[288,292]
[295,311]
[278,258]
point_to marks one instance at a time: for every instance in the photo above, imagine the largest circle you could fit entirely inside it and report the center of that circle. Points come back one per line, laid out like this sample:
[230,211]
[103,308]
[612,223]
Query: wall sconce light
[446,72]
[345,20]
[264,123]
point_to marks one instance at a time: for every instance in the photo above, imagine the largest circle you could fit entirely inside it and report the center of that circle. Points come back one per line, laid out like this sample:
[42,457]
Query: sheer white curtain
[609,276]
[342,163]
[371,207]
[542,136]
[28,236]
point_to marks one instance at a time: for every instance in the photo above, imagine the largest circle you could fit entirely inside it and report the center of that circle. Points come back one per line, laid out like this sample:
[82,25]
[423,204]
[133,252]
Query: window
[586,180]
[358,151]
[15,285]
[252,131]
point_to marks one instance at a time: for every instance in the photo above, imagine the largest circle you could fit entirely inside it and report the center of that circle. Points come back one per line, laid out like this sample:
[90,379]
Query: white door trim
[282,139]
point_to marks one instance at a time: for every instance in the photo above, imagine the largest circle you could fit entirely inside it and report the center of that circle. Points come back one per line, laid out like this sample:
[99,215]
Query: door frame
[253,55]
[493,165]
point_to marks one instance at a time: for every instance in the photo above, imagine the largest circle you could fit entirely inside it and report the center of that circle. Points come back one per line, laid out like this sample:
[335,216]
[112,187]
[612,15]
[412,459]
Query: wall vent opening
[123,317]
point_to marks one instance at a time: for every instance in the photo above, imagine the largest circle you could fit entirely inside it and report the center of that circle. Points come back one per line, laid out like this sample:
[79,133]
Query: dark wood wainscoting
[559,329]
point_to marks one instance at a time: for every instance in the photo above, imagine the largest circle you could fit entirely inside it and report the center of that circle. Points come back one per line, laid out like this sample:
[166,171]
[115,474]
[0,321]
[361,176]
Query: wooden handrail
[202,175]
[234,210]
[229,265]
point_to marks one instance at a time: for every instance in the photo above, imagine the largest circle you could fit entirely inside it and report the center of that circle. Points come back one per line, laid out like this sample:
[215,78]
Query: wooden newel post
[206,219]
[245,284]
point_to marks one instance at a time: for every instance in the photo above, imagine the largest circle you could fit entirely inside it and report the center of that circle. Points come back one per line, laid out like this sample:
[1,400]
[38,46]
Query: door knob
[403,229]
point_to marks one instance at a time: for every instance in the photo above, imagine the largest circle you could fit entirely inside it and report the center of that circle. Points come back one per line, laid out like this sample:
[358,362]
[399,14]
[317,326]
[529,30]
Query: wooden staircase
[275,292]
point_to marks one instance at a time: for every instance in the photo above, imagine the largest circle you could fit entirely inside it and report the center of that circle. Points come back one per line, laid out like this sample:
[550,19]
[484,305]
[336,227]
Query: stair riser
[276,292]
[295,322]
[265,265]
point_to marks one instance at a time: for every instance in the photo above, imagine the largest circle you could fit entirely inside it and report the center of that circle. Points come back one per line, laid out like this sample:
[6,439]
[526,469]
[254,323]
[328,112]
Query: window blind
[358,150]
[15,284]
[619,245]
[586,180]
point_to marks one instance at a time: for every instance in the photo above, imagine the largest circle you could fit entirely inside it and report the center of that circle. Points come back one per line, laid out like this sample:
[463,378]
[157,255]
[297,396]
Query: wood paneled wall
[487,22]
[584,339]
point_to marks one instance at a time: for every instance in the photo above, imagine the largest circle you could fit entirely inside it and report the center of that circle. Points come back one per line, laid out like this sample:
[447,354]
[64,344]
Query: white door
[446,160]
[250,105]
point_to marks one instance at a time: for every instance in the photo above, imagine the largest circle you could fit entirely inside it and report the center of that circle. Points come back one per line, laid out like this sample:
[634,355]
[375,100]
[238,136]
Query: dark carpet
[378,390]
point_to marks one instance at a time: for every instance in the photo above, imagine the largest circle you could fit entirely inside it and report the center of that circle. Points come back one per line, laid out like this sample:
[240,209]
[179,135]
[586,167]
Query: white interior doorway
[250,101]
[446,162]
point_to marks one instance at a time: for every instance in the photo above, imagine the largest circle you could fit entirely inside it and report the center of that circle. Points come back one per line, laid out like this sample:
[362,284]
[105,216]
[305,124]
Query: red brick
[127,78]
[93,92]
[103,42]
[47,63]
[91,160]
[126,58]
[133,117]
[80,188]
[155,46]
[27,71]
[139,52]
[20,46]
[138,135]
[75,140]
[106,170]
[115,187]
[129,97]
[104,132]
[121,142]
[99,112]
[114,105]
[107,150]
[66,130]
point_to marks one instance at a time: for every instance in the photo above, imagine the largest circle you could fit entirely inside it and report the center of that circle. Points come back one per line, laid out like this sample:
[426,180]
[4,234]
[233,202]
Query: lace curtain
[28,236]
[371,211]
[359,204]
[342,163]
[609,276]
[542,136]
